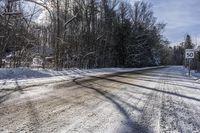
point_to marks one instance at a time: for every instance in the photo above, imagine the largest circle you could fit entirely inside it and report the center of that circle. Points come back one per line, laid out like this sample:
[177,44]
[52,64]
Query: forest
[81,34]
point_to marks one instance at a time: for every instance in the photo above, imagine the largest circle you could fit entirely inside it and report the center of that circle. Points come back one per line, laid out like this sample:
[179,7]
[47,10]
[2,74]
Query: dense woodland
[81,33]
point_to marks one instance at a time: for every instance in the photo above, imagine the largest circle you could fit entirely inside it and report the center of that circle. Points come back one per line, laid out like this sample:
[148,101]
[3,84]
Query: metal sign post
[189,54]
[189,67]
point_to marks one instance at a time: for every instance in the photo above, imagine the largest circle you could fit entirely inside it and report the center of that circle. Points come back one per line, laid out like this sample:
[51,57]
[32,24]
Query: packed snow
[163,100]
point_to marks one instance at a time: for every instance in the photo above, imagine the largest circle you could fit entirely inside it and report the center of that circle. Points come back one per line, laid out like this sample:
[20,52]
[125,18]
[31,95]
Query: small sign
[189,53]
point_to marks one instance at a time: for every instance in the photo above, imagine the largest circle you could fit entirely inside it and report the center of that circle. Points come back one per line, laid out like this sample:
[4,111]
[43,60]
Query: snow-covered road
[159,101]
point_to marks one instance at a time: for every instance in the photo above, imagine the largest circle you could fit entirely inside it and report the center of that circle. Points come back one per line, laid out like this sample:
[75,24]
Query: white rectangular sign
[189,53]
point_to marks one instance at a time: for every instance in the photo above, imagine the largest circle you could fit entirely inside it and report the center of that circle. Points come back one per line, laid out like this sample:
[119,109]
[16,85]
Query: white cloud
[181,16]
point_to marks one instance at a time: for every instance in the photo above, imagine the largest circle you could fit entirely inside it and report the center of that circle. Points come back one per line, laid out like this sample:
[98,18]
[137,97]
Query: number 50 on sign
[189,53]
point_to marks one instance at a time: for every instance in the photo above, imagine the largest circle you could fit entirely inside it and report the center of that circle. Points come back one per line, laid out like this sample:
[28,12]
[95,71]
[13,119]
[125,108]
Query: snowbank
[10,78]
[194,75]
[26,73]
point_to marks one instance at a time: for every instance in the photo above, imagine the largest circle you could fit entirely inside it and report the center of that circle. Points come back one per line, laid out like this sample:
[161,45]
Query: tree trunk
[58,36]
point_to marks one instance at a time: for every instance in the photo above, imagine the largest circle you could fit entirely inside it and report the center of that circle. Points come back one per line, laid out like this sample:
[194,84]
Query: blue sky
[181,17]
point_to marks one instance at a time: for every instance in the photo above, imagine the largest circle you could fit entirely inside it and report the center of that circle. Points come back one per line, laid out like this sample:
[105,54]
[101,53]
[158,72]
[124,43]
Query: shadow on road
[31,110]
[144,73]
[148,88]
[130,124]
[5,93]
[158,81]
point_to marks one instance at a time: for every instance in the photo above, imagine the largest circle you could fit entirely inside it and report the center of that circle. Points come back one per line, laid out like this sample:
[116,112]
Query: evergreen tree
[188,42]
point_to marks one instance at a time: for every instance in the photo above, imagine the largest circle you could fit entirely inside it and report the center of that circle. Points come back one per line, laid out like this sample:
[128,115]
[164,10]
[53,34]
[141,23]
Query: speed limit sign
[189,53]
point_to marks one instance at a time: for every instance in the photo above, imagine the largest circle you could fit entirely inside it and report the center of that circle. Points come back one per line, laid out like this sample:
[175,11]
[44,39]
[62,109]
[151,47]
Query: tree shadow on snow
[23,74]
[130,125]
[168,81]
[109,78]
[149,88]
[32,111]
[5,93]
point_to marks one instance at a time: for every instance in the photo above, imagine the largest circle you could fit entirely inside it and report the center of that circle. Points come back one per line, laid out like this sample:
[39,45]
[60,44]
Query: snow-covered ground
[194,74]
[10,78]
[162,100]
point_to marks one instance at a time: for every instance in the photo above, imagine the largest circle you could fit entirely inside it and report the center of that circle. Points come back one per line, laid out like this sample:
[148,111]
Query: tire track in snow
[151,110]
[175,114]
[115,100]
[192,116]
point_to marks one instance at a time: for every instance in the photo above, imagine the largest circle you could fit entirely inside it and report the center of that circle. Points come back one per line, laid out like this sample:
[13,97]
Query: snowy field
[163,100]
